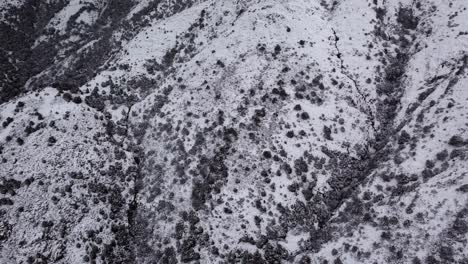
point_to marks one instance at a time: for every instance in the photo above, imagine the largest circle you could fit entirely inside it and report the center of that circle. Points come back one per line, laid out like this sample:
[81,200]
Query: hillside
[249,131]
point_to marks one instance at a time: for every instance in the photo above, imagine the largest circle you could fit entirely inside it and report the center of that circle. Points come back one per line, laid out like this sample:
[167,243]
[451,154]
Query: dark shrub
[327,133]
[456,141]
[407,19]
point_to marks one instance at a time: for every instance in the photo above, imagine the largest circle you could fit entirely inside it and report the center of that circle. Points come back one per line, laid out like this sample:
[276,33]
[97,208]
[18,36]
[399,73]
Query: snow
[208,114]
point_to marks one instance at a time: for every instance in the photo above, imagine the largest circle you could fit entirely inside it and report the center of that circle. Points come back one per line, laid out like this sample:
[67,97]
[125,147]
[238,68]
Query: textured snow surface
[264,131]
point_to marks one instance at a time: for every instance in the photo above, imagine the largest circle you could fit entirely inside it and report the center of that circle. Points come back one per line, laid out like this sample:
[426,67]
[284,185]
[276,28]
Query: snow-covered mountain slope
[253,131]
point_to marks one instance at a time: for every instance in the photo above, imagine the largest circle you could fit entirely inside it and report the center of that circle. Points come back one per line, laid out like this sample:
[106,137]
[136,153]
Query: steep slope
[235,132]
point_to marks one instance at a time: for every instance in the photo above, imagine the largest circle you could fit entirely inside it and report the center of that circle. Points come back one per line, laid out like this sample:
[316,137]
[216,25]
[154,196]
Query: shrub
[456,141]
[327,133]
[407,19]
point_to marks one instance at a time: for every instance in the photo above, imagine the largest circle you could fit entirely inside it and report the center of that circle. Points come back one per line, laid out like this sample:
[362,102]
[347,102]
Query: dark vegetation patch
[18,59]
[213,174]
[456,141]
[407,19]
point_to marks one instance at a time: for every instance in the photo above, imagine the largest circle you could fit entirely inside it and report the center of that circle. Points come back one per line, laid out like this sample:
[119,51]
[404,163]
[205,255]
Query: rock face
[217,131]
